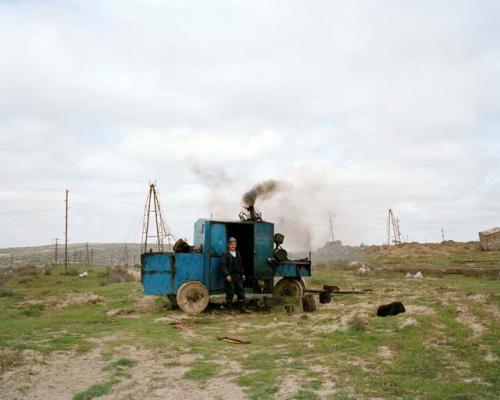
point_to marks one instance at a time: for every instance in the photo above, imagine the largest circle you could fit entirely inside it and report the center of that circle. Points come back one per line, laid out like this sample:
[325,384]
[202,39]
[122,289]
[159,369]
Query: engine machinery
[190,274]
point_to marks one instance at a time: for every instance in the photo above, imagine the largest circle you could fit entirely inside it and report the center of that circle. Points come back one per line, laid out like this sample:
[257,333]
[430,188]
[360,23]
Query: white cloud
[359,107]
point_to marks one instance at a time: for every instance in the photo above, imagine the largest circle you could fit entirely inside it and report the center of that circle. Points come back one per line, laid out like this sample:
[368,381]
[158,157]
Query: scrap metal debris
[233,339]
[394,308]
[309,303]
[182,325]
[418,275]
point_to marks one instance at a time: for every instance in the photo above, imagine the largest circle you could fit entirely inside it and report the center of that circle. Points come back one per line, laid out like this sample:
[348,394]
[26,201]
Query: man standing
[234,275]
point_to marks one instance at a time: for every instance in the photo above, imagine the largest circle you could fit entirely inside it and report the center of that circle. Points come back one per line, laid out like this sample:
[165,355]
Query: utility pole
[92,257]
[74,256]
[11,259]
[87,258]
[126,255]
[66,236]
[55,251]
[442,233]
[331,228]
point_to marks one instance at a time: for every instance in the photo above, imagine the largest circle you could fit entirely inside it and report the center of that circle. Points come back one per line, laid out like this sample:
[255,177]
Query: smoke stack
[251,212]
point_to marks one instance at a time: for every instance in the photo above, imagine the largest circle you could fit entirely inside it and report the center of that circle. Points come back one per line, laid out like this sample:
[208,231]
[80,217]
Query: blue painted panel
[158,283]
[189,267]
[218,240]
[157,261]
[263,249]
[157,273]
[290,269]
[215,275]
[199,233]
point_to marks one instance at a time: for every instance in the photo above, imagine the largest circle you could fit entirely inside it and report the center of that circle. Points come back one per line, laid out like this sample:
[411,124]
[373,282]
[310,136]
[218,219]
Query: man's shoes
[230,308]
[242,308]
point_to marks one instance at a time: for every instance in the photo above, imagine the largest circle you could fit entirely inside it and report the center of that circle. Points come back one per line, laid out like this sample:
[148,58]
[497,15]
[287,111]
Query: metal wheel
[192,297]
[288,289]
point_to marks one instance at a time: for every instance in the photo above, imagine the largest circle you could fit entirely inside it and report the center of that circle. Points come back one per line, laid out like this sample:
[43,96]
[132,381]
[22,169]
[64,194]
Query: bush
[72,271]
[117,274]
[27,270]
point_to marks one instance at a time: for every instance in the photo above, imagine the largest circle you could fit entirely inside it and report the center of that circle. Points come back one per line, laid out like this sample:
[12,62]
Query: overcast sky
[357,106]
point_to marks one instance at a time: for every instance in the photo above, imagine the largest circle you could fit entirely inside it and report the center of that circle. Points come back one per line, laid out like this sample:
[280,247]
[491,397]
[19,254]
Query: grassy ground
[457,259]
[446,346]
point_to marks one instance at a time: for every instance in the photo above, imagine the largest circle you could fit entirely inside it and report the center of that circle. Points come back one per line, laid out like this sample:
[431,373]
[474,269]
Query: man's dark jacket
[231,265]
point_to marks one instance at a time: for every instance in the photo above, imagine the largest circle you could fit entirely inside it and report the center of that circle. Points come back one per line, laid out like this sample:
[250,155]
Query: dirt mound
[59,302]
[336,252]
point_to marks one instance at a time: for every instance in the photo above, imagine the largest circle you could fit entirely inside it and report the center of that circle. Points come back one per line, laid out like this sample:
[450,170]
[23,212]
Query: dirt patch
[119,311]
[60,302]
[470,320]
[408,322]
[60,375]
[385,353]
[419,310]
[478,297]
[10,358]
[57,376]
[353,317]
[144,304]
[288,388]
[155,377]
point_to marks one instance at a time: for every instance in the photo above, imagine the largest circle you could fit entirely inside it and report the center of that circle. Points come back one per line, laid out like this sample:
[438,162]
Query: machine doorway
[244,234]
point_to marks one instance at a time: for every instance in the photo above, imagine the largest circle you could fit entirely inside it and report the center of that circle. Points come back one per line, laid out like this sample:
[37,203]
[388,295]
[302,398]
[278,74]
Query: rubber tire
[192,297]
[288,288]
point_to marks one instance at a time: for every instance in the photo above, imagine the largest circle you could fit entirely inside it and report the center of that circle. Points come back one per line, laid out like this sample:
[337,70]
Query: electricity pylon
[152,206]
[393,225]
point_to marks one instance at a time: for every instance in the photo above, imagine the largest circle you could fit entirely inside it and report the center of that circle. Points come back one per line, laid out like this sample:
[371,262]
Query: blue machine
[189,278]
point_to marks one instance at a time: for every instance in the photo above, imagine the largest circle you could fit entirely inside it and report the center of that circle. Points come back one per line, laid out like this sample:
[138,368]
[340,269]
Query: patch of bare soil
[408,322]
[290,385]
[155,377]
[335,317]
[385,353]
[470,320]
[144,304]
[59,302]
[414,309]
[57,376]
[61,375]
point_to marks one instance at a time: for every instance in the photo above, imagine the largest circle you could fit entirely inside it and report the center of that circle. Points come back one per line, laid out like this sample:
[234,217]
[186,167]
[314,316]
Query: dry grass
[444,347]
[117,274]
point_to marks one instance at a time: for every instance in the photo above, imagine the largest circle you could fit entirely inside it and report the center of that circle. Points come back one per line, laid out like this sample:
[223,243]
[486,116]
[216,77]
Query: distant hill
[98,254]
[130,253]
[337,252]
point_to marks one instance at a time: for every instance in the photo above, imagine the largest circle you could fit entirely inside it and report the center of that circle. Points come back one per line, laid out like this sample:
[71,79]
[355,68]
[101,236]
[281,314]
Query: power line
[30,202]
[106,213]
[30,211]
[5,189]
[100,198]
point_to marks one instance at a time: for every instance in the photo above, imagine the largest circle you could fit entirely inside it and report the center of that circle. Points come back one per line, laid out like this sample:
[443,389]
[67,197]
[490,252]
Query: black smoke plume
[263,190]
